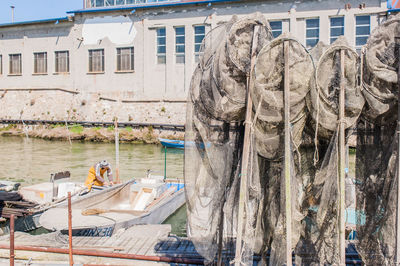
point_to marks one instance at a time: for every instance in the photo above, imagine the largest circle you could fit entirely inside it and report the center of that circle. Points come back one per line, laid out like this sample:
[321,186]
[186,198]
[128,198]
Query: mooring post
[12,240]
[165,162]
[342,162]
[116,150]
[397,41]
[71,259]
[245,154]
[288,156]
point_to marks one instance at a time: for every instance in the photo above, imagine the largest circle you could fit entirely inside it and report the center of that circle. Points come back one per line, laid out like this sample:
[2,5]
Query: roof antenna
[12,13]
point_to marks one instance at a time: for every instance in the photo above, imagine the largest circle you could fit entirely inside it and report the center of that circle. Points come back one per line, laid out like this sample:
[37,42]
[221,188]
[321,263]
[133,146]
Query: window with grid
[40,63]
[96,61]
[15,64]
[161,46]
[97,3]
[199,33]
[337,28]
[1,64]
[180,45]
[276,28]
[363,29]
[312,32]
[125,59]
[62,62]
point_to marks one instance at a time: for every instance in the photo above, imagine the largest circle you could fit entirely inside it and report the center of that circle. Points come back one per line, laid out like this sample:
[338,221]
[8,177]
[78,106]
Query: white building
[132,58]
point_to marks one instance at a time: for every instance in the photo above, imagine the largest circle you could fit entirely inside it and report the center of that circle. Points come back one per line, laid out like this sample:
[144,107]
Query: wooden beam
[342,162]
[397,41]
[246,153]
[288,155]
[117,180]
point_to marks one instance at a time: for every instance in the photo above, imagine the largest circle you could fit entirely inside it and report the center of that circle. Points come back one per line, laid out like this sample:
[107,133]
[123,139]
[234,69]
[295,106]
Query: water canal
[31,161]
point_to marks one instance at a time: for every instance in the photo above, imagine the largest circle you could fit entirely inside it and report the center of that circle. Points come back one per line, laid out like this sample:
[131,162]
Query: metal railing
[94,124]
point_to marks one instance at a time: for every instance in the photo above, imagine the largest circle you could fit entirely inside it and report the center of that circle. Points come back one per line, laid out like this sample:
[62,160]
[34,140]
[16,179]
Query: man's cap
[104,163]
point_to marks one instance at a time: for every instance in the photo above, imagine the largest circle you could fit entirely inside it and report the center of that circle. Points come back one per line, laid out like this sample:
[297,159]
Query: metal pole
[288,157]
[116,150]
[342,163]
[12,13]
[245,156]
[71,259]
[397,40]
[165,162]
[104,254]
[12,240]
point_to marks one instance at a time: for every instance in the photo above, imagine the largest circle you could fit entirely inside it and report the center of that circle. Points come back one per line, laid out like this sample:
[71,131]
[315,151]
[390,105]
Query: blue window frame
[312,32]
[276,28]
[337,28]
[161,46]
[363,29]
[199,34]
[180,45]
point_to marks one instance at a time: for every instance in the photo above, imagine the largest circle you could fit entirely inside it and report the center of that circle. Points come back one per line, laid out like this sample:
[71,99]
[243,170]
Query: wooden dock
[147,240]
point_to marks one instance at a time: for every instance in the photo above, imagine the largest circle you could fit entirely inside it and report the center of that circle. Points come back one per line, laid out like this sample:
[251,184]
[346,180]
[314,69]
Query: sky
[26,10]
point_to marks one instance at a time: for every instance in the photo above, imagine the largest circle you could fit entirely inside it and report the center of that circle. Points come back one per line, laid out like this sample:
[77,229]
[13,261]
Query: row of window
[199,33]
[125,61]
[363,29]
[125,56]
[101,3]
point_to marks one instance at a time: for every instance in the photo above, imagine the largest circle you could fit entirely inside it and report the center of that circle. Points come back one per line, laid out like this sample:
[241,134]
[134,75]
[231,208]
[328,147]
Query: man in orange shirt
[96,175]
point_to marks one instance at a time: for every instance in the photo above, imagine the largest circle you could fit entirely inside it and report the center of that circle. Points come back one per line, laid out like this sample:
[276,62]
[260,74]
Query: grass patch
[352,151]
[76,129]
[129,129]
[110,128]
[96,128]
[57,125]
[8,127]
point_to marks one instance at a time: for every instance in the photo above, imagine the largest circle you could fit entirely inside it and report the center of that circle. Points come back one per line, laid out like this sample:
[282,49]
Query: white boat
[47,195]
[142,201]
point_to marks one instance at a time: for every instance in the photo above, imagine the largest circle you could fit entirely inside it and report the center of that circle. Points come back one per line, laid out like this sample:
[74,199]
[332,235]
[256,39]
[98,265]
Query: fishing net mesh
[376,155]
[215,138]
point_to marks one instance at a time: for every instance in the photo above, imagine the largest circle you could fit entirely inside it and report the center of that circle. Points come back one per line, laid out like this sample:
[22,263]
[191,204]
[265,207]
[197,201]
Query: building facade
[134,58]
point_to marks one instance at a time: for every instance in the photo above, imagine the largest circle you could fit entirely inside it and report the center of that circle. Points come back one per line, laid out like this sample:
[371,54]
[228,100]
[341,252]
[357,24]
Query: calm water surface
[31,161]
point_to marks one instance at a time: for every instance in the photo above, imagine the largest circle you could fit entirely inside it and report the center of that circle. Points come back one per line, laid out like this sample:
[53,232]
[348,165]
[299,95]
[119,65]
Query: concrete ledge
[40,89]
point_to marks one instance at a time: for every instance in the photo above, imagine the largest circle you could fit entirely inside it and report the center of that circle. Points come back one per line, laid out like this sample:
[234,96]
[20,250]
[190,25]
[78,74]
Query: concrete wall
[149,82]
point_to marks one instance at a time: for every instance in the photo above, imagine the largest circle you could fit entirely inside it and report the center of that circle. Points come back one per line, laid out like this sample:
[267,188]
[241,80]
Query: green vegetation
[76,129]
[110,128]
[8,127]
[96,128]
[163,109]
[352,151]
[57,125]
[129,129]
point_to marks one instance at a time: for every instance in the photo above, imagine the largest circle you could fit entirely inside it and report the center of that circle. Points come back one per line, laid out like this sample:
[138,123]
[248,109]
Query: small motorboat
[172,143]
[40,197]
[148,200]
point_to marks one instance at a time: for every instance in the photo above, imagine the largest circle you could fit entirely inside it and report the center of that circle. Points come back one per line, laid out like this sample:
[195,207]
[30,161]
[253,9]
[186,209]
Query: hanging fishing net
[268,103]
[214,142]
[376,155]
[214,139]
[319,240]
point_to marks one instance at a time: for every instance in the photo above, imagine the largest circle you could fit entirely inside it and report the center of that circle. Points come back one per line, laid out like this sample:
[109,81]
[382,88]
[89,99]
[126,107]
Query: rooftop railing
[110,3]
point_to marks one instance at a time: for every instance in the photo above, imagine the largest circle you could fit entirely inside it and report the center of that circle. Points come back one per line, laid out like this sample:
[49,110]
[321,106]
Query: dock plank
[132,246]
[137,246]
